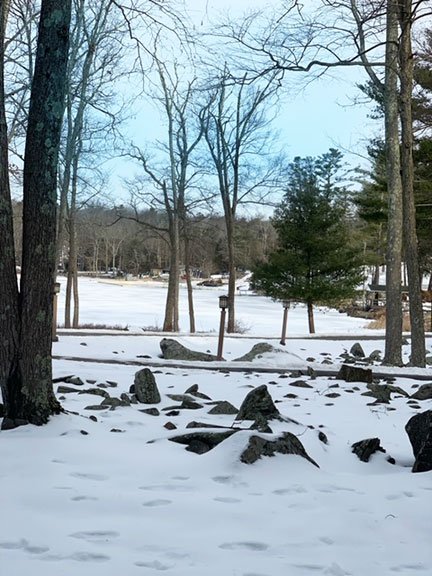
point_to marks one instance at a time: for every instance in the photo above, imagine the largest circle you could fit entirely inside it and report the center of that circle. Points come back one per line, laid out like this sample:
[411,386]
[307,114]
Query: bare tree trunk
[171,320]
[311,319]
[393,336]
[231,272]
[189,286]
[9,318]
[30,396]
[406,67]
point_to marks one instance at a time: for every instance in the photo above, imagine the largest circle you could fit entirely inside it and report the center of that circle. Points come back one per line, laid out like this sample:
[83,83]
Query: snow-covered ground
[112,496]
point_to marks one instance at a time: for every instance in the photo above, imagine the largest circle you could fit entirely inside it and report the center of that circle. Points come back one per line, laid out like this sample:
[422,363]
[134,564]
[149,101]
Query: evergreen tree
[315,262]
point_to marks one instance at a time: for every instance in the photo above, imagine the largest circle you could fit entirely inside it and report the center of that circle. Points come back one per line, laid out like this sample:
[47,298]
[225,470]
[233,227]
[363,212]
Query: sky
[311,118]
[101,492]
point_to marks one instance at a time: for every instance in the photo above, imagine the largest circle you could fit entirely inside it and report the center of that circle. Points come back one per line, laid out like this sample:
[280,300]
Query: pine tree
[315,262]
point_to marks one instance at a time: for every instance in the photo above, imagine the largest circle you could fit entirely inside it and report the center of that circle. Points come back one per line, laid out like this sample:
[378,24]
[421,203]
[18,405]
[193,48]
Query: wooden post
[286,305]
[223,305]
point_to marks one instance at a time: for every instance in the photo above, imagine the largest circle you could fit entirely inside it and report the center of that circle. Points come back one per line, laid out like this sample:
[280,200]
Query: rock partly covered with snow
[257,351]
[419,430]
[173,350]
[355,374]
[365,448]
[258,403]
[287,443]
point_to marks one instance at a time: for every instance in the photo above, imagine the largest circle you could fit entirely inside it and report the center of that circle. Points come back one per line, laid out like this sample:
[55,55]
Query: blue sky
[311,118]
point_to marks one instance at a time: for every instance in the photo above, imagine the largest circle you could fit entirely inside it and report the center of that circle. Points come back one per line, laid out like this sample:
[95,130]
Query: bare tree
[236,132]
[26,324]
[172,179]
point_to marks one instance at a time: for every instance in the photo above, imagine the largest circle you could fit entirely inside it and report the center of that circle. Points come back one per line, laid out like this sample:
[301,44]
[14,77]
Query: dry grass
[380,322]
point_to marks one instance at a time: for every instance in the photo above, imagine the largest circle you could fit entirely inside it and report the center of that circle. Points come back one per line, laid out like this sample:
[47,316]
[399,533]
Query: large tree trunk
[32,391]
[231,326]
[189,286]
[393,336]
[171,320]
[9,317]
[406,67]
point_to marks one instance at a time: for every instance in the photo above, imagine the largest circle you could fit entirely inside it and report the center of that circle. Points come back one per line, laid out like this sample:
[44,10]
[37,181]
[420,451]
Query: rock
[292,396]
[300,384]
[193,391]
[223,407]
[173,350]
[382,392]
[375,356]
[73,380]
[93,418]
[145,388]
[66,390]
[96,407]
[151,411]
[365,448]
[112,383]
[332,395]
[195,424]
[95,391]
[257,351]
[355,374]
[357,350]
[258,402]
[125,399]
[287,443]
[419,430]
[116,430]
[170,426]
[322,437]
[202,442]
[116,402]
[423,393]
[261,425]
[173,413]
[189,404]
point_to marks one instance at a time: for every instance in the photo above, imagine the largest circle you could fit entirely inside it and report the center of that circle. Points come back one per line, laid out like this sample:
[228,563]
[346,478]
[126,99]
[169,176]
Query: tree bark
[406,73]
[189,286]
[393,336]
[29,392]
[9,316]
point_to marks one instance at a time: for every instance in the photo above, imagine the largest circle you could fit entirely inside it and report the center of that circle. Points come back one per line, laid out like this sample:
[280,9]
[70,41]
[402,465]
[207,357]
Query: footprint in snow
[88,557]
[95,535]
[404,567]
[156,565]
[227,500]
[252,546]
[154,503]
[88,476]
[83,498]
[23,544]
[297,489]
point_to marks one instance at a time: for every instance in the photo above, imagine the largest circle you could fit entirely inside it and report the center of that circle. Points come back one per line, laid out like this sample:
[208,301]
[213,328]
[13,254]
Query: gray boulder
[287,443]
[382,392]
[145,387]
[365,448]
[257,351]
[258,402]
[355,374]
[423,393]
[173,350]
[357,351]
[419,430]
[202,442]
[223,407]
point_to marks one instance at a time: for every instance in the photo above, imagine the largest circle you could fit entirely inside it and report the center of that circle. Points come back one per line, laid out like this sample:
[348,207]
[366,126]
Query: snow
[79,498]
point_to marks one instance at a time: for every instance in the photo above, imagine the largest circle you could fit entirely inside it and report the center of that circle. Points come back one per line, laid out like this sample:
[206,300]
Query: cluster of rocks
[259,409]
